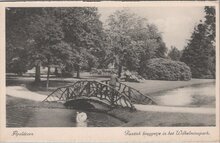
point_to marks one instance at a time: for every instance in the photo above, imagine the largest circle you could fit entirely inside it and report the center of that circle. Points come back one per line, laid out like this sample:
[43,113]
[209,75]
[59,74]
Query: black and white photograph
[110,66]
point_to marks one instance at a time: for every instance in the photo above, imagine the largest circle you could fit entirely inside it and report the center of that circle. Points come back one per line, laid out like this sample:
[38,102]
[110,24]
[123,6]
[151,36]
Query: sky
[175,23]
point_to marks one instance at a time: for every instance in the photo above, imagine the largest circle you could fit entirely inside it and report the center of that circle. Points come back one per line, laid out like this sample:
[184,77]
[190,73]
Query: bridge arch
[122,95]
[90,89]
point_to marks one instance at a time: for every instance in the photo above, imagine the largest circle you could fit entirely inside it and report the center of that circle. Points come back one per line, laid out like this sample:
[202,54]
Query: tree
[151,43]
[174,53]
[16,60]
[120,24]
[40,35]
[199,54]
[46,35]
[65,37]
[15,36]
[132,40]
[83,32]
[161,50]
[210,22]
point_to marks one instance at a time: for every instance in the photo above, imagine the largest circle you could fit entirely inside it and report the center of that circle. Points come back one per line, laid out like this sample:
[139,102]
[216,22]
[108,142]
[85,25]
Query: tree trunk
[56,71]
[37,74]
[78,71]
[48,77]
[119,70]
[20,74]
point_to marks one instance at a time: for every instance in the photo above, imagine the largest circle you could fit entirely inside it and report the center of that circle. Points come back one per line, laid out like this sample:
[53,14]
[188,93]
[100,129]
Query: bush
[165,69]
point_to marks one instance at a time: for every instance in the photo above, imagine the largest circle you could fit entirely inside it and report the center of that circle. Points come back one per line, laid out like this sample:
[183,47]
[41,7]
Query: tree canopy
[199,54]
[75,39]
[132,40]
[52,36]
[83,31]
[174,53]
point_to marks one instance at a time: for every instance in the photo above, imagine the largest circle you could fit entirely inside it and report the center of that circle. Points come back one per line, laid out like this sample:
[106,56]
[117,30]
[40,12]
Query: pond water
[202,95]
[24,113]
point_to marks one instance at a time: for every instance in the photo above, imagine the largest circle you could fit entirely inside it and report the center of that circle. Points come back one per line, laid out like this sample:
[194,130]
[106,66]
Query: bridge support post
[88,88]
[112,96]
[129,92]
[68,93]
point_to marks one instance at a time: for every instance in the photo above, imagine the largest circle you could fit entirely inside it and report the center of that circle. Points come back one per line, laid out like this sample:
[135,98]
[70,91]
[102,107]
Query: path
[22,92]
[155,108]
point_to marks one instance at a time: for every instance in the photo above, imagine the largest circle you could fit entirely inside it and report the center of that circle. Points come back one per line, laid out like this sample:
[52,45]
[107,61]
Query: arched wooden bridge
[122,95]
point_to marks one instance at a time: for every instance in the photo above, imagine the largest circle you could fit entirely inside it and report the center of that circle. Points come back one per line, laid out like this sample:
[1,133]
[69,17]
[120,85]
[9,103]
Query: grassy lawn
[28,82]
[40,88]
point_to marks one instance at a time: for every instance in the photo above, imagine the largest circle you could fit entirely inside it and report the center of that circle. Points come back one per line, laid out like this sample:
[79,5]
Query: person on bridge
[127,75]
[113,81]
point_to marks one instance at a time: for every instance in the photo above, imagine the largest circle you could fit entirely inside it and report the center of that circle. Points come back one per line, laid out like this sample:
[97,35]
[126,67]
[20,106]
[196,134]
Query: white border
[101,134]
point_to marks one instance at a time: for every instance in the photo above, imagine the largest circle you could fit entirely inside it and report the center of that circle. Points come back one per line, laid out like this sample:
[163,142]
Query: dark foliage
[199,54]
[174,54]
[165,69]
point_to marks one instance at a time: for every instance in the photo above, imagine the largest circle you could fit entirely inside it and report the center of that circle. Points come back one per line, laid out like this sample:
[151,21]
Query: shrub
[165,69]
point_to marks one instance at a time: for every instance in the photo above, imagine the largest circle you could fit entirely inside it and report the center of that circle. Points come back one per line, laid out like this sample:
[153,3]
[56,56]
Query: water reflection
[195,95]
[81,124]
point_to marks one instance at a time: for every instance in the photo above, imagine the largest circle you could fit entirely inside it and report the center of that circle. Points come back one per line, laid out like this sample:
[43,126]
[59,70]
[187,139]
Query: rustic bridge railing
[98,91]
[135,96]
[123,95]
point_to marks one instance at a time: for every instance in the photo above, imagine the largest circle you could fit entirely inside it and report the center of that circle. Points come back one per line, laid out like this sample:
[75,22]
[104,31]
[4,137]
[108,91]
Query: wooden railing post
[68,93]
[88,88]
[129,92]
[112,96]
[100,92]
